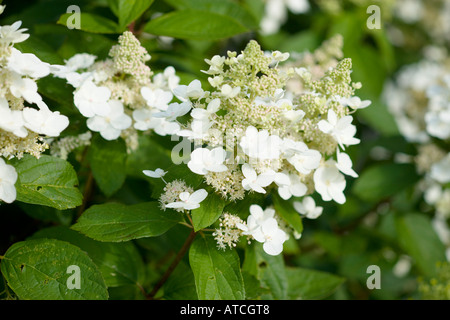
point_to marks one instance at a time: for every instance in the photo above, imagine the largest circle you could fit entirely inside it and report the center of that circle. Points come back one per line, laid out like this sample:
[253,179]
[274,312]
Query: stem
[174,264]
[87,193]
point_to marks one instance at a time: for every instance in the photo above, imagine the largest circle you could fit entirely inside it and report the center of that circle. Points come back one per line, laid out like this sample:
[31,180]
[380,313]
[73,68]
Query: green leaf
[107,160]
[181,284]
[119,263]
[128,10]
[38,270]
[195,25]
[228,8]
[41,49]
[417,237]
[308,284]
[269,269]
[47,181]
[217,273]
[286,211]
[116,222]
[383,180]
[209,211]
[93,23]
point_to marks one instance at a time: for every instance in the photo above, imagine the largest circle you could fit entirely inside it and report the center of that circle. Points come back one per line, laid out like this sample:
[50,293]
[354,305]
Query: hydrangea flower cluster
[23,127]
[419,99]
[120,95]
[256,136]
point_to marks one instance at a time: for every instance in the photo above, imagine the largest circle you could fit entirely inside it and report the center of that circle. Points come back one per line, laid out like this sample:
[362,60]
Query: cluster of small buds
[419,100]
[23,128]
[257,136]
[229,233]
[172,192]
[120,95]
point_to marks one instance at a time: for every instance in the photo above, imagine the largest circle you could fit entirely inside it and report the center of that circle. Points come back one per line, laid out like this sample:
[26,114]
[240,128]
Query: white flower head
[256,182]
[329,182]
[27,64]
[157,98]
[174,110]
[260,145]
[157,173]
[440,171]
[8,178]
[189,201]
[341,129]
[289,185]
[192,91]
[228,92]
[355,102]
[307,207]
[204,160]
[12,33]
[204,114]
[44,121]
[344,164]
[111,125]
[92,100]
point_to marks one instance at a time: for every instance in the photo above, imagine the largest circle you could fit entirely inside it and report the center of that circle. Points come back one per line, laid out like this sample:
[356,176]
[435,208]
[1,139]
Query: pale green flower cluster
[437,288]
[250,98]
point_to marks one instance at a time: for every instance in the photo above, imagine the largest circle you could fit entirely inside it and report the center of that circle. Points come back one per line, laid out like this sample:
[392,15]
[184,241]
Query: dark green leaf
[195,25]
[38,270]
[129,10]
[47,181]
[217,273]
[383,180]
[119,263]
[307,284]
[107,160]
[116,222]
[210,210]
[418,238]
[93,23]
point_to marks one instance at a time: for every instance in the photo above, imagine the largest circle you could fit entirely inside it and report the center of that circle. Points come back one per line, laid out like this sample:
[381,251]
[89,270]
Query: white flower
[341,129]
[192,91]
[229,92]
[438,124]
[8,177]
[163,127]
[27,64]
[259,145]
[204,160]
[440,171]
[278,56]
[189,201]
[305,161]
[157,98]
[215,64]
[308,208]
[256,182]
[111,125]
[203,114]
[25,88]
[166,79]
[92,100]
[199,130]
[12,120]
[289,185]
[329,182]
[80,61]
[44,121]
[344,164]
[157,173]
[263,227]
[174,110]
[355,103]
[144,119]
[12,33]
